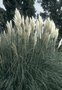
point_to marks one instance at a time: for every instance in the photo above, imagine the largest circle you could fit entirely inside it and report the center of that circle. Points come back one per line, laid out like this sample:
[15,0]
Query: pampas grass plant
[29,59]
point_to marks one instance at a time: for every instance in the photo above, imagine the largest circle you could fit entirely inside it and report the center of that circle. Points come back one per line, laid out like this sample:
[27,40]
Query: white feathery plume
[53,27]
[24,36]
[49,25]
[38,29]
[32,22]
[10,23]
[46,39]
[13,31]
[27,20]
[29,30]
[40,21]
[60,43]
[53,34]
[37,25]
[22,20]
[40,18]
[26,24]
[4,33]
[56,33]
[17,18]
[20,31]
[46,25]
[9,27]
[40,26]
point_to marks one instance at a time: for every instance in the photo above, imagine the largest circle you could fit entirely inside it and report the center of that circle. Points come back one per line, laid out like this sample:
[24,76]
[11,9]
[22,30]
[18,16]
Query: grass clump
[29,59]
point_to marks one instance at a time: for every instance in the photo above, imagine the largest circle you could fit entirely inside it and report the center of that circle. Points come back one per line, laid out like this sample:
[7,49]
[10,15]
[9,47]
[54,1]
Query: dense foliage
[2,19]
[29,57]
[26,7]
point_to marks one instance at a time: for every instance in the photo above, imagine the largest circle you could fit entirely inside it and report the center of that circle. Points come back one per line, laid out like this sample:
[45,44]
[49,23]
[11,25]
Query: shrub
[29,58]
